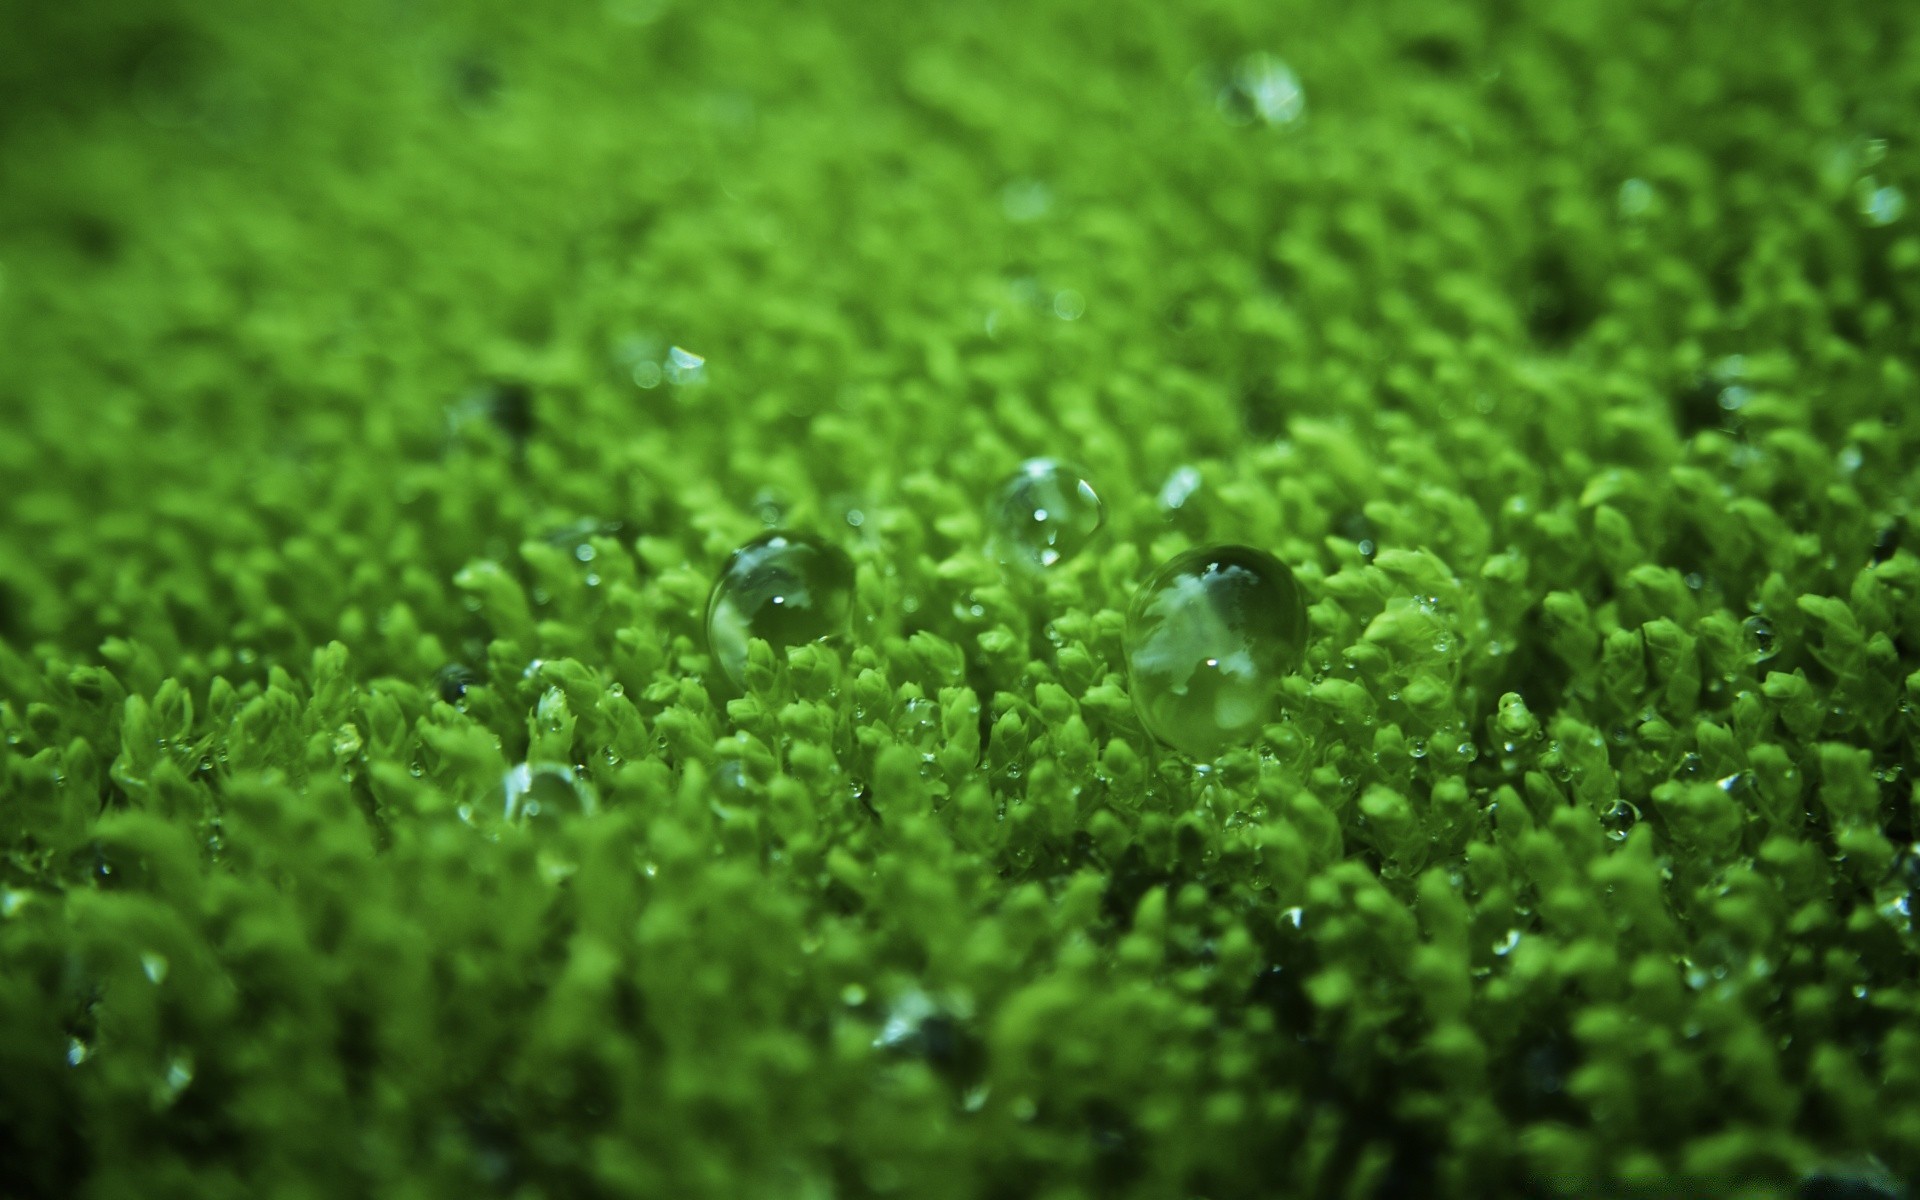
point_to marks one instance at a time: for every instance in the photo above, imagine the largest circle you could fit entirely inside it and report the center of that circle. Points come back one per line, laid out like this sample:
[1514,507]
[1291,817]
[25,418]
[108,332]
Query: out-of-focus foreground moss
[1567,350]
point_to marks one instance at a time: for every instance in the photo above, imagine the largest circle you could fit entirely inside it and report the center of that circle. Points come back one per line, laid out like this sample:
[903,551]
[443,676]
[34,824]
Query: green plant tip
[783,588]
[1044,514]
[1209,638]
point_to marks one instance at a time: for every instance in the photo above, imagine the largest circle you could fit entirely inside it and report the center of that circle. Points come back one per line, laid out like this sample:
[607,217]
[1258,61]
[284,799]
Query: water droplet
[1761,644]
[1069,305]
[786,589]
[1263,89]
[685,368]
[647,374]
[1025,200]
[1881,205]
[1179,488]
[1506,944]
[1635,199]
[1208,639]
[1619,820]
[179,1075]
[1044,514]
[546,792]
[154,966]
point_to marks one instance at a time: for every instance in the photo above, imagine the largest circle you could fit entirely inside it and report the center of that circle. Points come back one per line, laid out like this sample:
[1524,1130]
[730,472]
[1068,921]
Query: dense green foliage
[384,383]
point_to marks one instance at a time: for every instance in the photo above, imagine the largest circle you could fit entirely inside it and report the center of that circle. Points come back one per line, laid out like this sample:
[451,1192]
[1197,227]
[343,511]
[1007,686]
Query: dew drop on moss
[1262,88]
[1209,639]
[1044,514]
[786,589]
[546,792]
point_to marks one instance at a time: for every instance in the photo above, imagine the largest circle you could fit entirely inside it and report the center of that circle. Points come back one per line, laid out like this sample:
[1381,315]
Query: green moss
[1567,353]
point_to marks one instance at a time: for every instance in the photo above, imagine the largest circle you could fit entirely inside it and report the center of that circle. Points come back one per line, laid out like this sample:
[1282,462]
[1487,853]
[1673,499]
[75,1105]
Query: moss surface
[383,384]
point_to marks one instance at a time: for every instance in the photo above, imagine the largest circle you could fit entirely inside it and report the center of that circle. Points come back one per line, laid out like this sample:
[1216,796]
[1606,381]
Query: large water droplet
[1045,514]
[786,589]
[546,792]
[1209,638]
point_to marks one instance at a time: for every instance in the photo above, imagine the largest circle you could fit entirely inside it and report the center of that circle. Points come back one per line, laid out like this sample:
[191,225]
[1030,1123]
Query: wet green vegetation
[386,385]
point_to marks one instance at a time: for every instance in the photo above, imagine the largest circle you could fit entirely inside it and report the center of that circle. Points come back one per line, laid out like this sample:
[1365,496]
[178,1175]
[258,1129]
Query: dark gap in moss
[1130,879]
[849,1180]
[509,405]
[1850,1183]
[1886,543]
[95,238]
[356,1046]
[477,82]
[1263,409]
[1435,51]
[46,1160]
[1558,307]
[1119,1152]
[1539,676]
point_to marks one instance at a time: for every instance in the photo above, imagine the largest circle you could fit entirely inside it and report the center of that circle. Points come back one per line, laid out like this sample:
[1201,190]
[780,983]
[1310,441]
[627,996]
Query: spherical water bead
[786,589]
[546,792]
[1209,639]
[1044,514]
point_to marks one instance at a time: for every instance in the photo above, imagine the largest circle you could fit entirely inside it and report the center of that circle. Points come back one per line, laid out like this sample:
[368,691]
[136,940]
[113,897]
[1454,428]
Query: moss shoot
[386,382]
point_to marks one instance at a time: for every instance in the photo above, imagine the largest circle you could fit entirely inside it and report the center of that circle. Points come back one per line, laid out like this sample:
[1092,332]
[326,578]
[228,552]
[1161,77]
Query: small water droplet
[1025,200]
[154,966]
[1262,88]
[179,1075]
[1635,199]
[1619,820]
[685,368]
[1179,488]
[1881,205]
[1761,644]
[1045,513]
